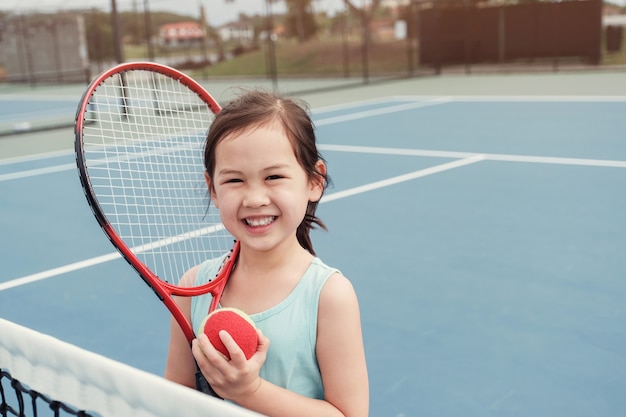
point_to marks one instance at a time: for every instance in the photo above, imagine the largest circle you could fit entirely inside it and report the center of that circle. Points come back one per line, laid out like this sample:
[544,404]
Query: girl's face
[261,190]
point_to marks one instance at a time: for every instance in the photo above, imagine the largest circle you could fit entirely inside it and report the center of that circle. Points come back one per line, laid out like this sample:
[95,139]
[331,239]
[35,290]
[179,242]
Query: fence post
[119,56]
[468,37]
[366,45]
[501,34]
[556,38]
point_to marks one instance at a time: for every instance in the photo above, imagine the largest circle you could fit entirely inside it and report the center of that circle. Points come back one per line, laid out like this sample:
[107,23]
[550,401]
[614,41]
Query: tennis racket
[140,130]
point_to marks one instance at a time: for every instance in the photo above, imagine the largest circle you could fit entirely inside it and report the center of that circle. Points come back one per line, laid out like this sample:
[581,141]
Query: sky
[218,12]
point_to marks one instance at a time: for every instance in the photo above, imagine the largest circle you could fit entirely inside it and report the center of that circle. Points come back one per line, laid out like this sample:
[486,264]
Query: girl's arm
[340,350]
[340,356]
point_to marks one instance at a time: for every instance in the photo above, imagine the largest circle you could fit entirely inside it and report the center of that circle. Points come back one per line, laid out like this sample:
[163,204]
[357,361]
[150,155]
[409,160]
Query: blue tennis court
[485,236]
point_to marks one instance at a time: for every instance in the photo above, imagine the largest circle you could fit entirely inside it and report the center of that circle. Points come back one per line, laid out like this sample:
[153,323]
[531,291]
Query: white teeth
[260,222]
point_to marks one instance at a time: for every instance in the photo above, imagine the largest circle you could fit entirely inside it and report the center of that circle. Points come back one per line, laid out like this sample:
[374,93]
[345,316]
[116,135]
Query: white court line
[386,151]
[487,156]
[37,171]
[35,157]
[371,101]
[402,178]
[331,197]
[523,98]
[382,110]
[478,99]
[58,271]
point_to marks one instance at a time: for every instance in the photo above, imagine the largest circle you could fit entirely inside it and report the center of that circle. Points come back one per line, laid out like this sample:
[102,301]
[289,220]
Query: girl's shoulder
[318,267]
[331,283]
[336,289]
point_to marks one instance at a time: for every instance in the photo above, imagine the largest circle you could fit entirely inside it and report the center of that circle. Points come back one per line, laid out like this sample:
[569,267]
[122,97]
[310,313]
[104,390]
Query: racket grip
[203,385]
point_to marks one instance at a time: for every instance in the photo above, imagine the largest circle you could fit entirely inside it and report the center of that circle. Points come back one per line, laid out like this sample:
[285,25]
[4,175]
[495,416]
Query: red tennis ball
[237,323]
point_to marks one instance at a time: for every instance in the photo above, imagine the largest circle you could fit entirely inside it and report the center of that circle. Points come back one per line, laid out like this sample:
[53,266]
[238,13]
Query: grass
[615,58]
[327,58]
[321,58]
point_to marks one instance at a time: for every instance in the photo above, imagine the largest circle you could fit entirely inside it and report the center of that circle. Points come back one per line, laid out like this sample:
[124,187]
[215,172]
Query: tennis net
[43,376]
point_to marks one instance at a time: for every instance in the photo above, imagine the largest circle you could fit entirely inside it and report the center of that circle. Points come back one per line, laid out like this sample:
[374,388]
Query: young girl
[266,177]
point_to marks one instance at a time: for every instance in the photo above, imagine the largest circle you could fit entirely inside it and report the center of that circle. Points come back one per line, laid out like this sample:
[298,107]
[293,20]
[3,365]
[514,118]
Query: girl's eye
[232,180]
[274,177]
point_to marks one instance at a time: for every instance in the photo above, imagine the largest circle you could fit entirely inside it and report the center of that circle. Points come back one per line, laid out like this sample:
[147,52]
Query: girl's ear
[318,182]
[207,179]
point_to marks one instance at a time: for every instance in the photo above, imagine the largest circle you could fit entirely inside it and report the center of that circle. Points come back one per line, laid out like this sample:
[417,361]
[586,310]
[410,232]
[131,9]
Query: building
[44,48]
[236,31]
[181,35]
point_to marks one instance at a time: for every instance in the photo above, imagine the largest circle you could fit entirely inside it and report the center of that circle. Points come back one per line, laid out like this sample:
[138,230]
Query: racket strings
[143,151]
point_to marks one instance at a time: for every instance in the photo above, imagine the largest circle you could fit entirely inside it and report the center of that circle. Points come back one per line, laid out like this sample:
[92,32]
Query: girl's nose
[256,196]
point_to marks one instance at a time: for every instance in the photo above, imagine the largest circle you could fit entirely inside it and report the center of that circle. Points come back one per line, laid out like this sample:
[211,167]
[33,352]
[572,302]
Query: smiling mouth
[259,221]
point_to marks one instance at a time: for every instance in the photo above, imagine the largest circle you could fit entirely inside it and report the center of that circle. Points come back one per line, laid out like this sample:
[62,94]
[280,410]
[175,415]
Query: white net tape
[99,385]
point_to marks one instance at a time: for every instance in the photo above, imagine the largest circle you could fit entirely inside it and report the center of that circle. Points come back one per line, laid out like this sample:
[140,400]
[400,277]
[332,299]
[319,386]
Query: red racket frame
[165,291]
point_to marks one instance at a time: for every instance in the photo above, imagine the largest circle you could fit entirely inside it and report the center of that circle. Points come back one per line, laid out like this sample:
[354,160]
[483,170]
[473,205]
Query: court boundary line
[512,98]
[36,157]
[37,171]
[403,178]
[556,160]
[411,105]
[520,98]
[50,273]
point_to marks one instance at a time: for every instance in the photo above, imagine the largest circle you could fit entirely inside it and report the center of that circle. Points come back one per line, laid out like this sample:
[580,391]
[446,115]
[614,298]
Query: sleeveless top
[291,327]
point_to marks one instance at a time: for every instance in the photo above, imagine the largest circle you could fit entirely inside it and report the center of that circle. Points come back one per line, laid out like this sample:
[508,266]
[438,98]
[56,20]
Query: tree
[99,45]
[364,15]
[374,4]
[300,21]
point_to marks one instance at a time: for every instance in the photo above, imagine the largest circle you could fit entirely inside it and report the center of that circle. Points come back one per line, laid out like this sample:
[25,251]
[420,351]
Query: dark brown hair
[256,108]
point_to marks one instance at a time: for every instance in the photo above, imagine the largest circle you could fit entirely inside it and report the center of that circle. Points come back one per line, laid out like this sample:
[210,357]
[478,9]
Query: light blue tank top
[291,327]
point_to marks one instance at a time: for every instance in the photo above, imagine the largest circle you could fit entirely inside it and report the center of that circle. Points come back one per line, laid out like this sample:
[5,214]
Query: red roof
[181,31]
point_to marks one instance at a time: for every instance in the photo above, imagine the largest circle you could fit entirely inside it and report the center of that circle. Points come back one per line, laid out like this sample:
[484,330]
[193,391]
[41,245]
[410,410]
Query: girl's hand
[234,378]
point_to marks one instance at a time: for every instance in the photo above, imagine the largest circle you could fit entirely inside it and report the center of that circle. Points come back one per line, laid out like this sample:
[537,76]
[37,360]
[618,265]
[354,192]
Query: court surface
[485,235]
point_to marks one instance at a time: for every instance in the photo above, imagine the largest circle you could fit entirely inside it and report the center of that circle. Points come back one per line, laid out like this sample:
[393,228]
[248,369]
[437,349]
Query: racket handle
[202,385]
